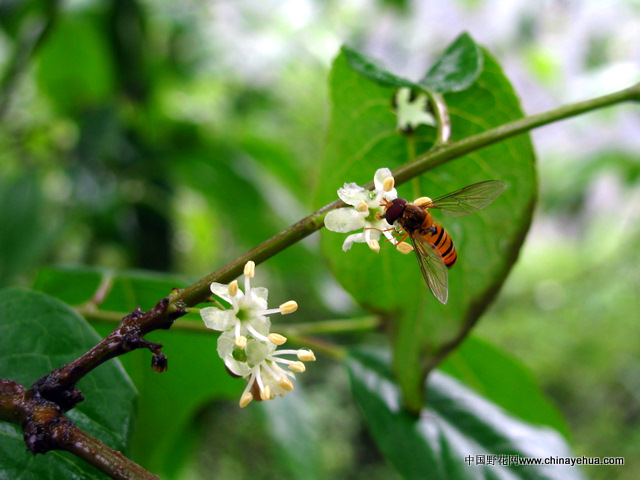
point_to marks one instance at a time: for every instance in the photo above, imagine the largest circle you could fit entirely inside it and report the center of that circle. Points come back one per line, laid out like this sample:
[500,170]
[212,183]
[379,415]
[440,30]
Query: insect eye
[395,210]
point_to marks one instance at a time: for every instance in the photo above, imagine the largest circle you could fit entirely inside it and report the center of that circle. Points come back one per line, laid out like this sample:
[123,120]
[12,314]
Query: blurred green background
[173,136]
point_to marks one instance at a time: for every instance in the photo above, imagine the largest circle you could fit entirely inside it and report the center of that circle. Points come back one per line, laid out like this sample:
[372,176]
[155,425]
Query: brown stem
[59,385]
[105,459]
[47,428]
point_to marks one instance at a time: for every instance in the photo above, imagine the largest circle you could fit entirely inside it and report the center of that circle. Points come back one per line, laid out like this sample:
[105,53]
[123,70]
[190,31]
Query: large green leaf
[195,375]
[362,138]
[456,430]
[37,334]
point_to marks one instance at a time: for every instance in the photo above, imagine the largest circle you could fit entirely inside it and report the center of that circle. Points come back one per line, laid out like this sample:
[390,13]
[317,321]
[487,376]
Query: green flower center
[371,218]
[239,355]
[243,314]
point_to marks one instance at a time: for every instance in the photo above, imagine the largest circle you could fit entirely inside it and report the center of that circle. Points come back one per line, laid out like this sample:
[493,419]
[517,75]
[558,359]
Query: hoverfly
[431,242]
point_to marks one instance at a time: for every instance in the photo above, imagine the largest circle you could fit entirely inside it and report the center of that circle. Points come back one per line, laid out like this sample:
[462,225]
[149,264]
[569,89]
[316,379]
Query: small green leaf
[369,68]
[454,427]
[38,334]
[457,68]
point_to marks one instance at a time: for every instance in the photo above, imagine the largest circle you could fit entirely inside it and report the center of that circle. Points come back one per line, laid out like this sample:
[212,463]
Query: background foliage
[173,136]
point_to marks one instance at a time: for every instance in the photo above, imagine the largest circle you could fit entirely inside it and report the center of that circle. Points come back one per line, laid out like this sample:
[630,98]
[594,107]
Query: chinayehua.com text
[515,460]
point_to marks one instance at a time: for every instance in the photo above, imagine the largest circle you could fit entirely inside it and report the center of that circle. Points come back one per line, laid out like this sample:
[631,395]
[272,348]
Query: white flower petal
[379,177]
[221,290]
[390,195]
[260,293]
[217,319]
[258,351]
[344,220]
[226,344]
[379,225]
[242,369]
[352,194]
[261,324]
[356,237]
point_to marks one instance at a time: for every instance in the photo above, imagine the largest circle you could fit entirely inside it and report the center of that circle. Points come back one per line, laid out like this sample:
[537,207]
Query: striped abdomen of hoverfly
[417,221]
[440,239]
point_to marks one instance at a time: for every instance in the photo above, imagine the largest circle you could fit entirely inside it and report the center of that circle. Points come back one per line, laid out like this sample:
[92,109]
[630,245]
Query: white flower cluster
[367,211]
[246,345]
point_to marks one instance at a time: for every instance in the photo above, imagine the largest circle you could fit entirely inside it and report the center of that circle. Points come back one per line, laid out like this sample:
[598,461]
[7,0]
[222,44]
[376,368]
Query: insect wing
[432,266]
[468,199]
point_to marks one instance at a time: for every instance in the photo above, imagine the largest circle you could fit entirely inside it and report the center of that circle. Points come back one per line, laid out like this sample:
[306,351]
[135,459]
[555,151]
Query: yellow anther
[241,342]
[285,384]
[404,247]
[374,245]
[306,355]
[265,393]
[297,367]
[277,339]
[233,288]
[249,269]
[422,201]
[363,207]
[388,184]
[288,307]
[245,399]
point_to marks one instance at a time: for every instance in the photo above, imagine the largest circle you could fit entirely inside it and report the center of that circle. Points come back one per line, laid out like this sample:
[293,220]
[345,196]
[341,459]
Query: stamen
[277,339]
[241,342]
[363,207]
[388,184]
[297,367]
[285,384]
[233,288]
[257,334]
[247,396]
[374,245]
[288,307]
[306,355]
[422,201]
[390,237]
[276,372]
[258,379]
[249,269]
[404,247]
[245,399]
[265,393]
[284,352]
